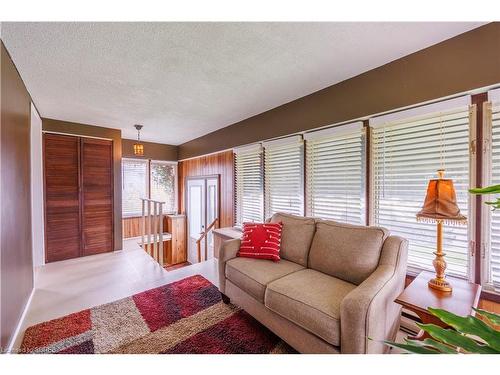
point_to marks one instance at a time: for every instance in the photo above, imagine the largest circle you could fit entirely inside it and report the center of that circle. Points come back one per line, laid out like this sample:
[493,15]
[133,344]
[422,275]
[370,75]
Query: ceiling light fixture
[138,146]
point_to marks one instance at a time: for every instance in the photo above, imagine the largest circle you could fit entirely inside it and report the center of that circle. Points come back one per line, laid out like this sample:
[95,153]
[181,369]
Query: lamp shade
[441,203]
[138,149]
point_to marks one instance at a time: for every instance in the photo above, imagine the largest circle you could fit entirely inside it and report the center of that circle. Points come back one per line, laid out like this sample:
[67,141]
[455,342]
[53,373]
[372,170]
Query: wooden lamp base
[439,282]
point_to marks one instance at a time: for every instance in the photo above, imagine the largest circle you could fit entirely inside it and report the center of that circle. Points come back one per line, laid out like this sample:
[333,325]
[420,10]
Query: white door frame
[191,249]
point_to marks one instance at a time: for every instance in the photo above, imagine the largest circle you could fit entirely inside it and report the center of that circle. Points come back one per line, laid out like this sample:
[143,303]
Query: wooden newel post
[143,223]
[160,257]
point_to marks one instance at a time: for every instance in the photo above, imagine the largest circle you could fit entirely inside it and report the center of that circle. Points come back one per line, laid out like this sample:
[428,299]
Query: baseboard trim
[20,323]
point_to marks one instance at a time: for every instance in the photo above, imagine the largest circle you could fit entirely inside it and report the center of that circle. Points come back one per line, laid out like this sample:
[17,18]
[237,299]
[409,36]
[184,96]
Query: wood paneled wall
[215,164]
[131,227]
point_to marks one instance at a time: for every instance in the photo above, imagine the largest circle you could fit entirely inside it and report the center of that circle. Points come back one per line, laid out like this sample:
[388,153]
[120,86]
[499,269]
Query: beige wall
[465,62]
[16,264]
[101,132]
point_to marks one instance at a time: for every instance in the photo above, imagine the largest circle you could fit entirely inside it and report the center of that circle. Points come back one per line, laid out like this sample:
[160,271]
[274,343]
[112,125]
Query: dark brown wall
[153,151]
[74,128]
[16,264]
[465,62]
[216,164]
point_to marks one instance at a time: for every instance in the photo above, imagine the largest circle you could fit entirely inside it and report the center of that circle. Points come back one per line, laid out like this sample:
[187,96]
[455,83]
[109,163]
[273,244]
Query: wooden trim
[478,101]
[368,172]
[75,135]
[304,177]
[44,199]
[490,296]
[80,195]
[210,153]
[112,183]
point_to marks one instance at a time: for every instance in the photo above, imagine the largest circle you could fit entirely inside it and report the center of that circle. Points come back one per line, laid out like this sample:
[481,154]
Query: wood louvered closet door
[62,197]
[78,196]
[97,196]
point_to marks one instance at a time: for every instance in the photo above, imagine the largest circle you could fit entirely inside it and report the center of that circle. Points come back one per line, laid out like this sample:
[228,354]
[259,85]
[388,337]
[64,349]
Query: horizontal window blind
[249,181]
[494,256]
[406,154]
[134,186]
[335,174]
[163,177]
[284,176]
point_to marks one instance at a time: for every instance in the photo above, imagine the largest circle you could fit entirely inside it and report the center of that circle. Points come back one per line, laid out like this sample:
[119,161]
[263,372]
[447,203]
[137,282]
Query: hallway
[69,286]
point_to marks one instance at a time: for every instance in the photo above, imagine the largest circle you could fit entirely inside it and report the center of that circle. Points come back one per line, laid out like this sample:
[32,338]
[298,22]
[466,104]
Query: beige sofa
[332,291]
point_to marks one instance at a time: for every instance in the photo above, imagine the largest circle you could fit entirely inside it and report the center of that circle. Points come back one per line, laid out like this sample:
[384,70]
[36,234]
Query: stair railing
[203,236]
[152,229]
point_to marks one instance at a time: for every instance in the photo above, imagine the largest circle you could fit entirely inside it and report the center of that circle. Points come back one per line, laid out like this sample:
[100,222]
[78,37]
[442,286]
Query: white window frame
[147,181]
[486,215]
[276,145]
[148,163]
[443,106]
[176,182]
[329,134]
[238,201]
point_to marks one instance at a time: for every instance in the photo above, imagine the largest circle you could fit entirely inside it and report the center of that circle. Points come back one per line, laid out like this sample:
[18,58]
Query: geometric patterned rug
[184,317]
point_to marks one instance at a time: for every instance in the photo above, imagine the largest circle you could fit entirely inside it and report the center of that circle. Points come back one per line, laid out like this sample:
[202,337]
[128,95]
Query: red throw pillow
[261,241]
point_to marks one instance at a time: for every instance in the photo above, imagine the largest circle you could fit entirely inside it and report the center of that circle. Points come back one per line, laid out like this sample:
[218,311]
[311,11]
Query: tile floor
[69,286]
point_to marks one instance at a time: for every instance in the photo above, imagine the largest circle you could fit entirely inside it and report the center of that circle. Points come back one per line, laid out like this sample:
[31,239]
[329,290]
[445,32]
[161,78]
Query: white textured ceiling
[184,80]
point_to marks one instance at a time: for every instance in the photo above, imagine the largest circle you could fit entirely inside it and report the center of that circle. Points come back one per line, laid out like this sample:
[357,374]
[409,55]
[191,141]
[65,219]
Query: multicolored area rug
[185,317]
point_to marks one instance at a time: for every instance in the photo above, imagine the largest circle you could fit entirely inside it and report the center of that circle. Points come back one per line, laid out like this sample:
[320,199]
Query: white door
[212,211]
[202,209]
[196,213]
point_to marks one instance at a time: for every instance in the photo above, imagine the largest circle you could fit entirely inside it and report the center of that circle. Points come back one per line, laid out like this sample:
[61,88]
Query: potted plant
[493,189]
[466,335]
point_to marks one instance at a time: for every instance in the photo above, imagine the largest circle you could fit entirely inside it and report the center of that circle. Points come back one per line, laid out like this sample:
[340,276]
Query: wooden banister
[204,236]
[152,229]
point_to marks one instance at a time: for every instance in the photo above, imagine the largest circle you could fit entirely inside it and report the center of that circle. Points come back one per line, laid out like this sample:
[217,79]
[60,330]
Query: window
[491,270]
[335,173]
[135,186]
[148,179]
[284,176]
[249,184]
[408,148]
[163,184]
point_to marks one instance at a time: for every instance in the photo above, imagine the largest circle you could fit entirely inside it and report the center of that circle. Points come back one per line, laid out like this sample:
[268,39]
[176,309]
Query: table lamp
[440,207]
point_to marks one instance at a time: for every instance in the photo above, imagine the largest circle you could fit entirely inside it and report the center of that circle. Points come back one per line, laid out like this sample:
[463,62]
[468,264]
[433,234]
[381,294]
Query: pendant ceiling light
[138,146]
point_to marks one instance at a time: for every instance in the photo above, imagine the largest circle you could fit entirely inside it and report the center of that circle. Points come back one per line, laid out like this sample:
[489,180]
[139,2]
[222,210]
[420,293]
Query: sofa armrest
[369,311]
[228,250]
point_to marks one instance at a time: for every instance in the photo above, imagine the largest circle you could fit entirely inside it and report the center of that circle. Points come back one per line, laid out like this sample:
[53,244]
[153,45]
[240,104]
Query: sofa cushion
[253,275]
[311,300]
[349,252]
[296,237]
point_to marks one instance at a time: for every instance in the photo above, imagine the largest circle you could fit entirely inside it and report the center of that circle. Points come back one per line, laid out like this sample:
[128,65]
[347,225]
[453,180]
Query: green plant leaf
[494,204]
[443,348]
[469,325]
[439,346]
[493,189]
[415,349]
[492,317]
[454,338]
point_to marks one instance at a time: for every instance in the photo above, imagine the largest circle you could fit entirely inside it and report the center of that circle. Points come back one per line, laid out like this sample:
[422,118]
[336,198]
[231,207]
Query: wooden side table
[417,297]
